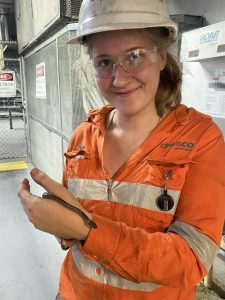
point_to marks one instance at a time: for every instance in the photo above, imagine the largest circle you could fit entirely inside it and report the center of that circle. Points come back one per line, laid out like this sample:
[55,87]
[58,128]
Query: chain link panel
[13,140]
[72,8]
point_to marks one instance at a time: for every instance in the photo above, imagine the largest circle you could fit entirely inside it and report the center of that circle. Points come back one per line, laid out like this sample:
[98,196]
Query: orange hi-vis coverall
[141,250]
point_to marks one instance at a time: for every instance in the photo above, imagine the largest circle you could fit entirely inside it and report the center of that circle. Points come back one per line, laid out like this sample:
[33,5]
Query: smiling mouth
[126,93]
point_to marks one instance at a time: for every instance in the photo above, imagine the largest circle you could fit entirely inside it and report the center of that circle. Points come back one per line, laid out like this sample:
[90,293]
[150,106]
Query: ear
[162,59]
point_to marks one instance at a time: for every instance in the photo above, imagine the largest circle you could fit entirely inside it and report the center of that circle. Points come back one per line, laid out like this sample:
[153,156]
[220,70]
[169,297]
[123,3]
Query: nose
[120,77]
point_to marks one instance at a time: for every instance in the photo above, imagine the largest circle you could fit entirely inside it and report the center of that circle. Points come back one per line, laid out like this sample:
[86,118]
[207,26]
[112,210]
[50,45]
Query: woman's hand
[66,244]
[49,216]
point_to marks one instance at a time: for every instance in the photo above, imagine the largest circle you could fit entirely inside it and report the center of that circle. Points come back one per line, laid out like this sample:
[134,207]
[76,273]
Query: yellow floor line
[18,165]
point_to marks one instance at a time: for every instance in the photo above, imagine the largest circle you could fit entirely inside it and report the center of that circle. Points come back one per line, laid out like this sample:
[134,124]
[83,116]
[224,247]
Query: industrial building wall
[24,17]
[33,17]
[52,119]
[212,11]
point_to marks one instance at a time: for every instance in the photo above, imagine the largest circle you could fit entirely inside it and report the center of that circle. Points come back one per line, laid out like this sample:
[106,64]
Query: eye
[103,63]
[136,55]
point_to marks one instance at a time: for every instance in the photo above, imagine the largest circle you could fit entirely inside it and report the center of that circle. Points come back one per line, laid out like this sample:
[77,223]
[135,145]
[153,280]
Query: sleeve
[181,256]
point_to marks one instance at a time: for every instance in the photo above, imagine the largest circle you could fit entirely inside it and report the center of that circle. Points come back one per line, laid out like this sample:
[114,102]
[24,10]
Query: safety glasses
[132,61]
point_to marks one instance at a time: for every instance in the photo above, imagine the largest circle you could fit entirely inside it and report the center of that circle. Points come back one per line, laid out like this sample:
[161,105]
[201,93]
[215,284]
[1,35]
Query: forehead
[116,42]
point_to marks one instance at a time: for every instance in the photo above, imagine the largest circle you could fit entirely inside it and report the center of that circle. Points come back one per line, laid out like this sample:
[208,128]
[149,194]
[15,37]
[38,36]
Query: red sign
[6,76]
[40,71]
[7,84]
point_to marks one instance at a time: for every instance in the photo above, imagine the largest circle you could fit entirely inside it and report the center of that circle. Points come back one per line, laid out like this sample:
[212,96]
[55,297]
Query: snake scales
[85,218]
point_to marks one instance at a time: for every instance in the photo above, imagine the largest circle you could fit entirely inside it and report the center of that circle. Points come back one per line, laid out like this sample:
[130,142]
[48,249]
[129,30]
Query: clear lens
[132,62]
[103,66]
[138,59]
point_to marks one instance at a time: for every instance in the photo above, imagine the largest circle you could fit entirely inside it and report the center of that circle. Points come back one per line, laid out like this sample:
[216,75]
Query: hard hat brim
[87,29]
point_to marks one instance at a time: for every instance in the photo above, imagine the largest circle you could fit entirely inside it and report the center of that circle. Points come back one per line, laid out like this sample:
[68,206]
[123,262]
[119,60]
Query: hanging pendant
[165,202]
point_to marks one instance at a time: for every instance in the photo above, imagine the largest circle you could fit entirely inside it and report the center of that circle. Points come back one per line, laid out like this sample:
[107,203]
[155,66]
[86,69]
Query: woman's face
[128,93]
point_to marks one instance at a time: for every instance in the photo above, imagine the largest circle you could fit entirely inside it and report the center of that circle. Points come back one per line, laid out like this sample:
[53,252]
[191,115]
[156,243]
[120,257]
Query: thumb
[45,181]
[24,187]
[51,185]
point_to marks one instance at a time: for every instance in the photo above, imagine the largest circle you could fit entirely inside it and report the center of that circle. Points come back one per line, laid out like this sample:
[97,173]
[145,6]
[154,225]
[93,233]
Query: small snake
[85,218]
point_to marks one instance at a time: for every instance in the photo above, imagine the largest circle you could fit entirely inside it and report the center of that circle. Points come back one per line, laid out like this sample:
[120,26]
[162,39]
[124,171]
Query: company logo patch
[179,145]
[209,37]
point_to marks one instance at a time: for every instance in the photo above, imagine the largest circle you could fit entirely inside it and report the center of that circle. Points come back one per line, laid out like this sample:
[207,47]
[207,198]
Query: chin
[129,110]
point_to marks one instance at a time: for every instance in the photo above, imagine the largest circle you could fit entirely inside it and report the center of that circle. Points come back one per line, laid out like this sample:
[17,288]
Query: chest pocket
[168,173]
[159,175]
[78,163]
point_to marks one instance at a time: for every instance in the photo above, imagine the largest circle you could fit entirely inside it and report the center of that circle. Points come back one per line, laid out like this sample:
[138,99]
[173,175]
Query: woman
[148,172]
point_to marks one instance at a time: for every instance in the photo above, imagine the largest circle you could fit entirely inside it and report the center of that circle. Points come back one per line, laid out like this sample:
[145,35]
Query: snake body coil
[85,218]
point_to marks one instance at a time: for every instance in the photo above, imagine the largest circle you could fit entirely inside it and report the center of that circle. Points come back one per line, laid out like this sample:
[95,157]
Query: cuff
[102,242]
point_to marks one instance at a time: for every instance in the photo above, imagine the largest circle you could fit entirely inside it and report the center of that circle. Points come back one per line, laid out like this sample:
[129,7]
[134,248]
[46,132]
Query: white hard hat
[106,15]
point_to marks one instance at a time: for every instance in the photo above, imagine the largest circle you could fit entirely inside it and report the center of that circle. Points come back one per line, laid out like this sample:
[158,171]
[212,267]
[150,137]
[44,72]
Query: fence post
[10,118]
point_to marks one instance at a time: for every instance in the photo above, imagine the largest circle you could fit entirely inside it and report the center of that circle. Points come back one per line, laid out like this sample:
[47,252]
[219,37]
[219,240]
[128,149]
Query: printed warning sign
[40,81]
[7,84]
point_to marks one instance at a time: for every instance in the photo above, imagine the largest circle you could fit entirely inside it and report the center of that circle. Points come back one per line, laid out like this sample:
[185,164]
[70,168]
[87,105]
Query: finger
[24,194]
[56,188]
[52,186]
[68,243]
[48,184]
[24,188]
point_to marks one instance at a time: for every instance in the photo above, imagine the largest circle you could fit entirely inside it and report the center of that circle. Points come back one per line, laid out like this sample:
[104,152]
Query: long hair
[168,95]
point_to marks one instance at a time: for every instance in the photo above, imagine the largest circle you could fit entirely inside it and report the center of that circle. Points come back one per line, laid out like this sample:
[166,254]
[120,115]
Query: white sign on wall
[40,81]
[7,84]
[203,86]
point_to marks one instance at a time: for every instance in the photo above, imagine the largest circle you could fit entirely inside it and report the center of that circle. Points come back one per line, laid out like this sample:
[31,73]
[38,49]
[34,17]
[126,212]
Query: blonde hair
[168,95]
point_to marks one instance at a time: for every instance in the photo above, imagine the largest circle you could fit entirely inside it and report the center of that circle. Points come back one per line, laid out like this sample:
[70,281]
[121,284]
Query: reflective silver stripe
[97,272]
[136,194]
[203,247]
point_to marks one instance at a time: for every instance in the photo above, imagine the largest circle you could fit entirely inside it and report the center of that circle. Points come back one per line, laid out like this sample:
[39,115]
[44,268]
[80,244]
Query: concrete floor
[30,260]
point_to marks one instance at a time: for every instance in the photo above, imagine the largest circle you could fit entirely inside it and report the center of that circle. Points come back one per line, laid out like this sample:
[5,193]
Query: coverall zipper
[109,189]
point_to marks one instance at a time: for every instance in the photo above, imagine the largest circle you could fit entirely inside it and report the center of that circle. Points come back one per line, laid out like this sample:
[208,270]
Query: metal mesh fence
[13,142]
[72,8]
